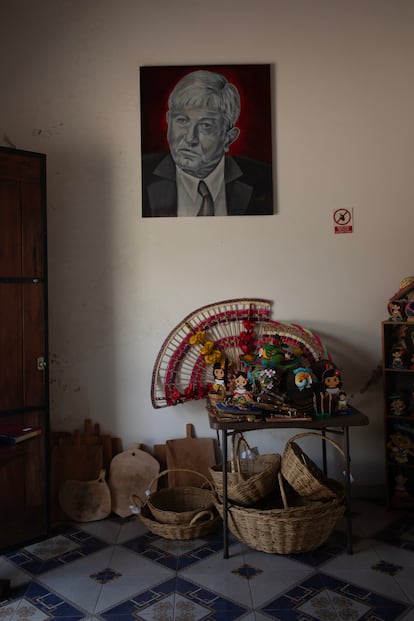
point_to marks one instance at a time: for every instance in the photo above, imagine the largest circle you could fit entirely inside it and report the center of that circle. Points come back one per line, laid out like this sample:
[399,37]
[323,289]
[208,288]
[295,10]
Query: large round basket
[204,523]
[179,505]
[248,480]
[288,530]
[306,478]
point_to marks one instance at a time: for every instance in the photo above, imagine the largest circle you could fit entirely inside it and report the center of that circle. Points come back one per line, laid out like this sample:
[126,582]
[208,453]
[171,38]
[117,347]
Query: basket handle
[282,490]
[235,460]
[135,503]
[164,472]
[198,517]
[321,437]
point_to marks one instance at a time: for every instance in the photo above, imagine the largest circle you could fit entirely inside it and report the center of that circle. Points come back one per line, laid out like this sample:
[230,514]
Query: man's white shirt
[189,199]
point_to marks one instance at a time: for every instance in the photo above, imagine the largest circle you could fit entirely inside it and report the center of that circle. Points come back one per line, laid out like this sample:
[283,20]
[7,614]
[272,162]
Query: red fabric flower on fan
[189,391]
[246,340]
[248,325]
[174,397]
[245,337]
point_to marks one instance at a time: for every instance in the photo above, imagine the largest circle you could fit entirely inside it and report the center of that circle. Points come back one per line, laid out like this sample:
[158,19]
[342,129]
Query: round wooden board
[131,473]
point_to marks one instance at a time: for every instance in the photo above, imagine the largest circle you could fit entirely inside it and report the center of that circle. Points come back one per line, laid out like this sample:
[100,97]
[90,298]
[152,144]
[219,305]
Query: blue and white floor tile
[115,570]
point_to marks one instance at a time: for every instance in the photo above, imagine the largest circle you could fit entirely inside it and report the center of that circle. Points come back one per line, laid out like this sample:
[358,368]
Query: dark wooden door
[24,395]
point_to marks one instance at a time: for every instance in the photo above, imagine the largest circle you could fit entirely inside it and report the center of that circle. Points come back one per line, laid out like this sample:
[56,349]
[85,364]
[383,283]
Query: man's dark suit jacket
[249,189]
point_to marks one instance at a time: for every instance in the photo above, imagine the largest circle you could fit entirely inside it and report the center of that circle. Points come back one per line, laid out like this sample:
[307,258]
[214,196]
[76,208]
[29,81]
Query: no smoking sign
[343,220]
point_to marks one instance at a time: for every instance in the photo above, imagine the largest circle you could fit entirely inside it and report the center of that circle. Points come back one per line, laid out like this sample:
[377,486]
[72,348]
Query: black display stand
[338,425]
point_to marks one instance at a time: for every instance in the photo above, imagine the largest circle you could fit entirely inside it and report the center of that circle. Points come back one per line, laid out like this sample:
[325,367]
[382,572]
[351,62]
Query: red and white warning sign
[343,220]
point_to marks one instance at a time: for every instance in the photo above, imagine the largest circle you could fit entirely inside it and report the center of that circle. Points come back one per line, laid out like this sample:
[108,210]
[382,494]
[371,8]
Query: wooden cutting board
[75,461]
[160,454]
[197,454]
[131,473]
[79,456]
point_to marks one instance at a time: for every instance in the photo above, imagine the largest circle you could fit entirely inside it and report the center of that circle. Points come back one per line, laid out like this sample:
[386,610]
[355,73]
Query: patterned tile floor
[115,570]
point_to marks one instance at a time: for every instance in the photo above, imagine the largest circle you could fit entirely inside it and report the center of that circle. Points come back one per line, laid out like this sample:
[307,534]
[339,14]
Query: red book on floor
[12,434]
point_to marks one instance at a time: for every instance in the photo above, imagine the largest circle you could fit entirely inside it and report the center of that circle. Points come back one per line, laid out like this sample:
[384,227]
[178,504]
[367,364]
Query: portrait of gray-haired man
[198,177]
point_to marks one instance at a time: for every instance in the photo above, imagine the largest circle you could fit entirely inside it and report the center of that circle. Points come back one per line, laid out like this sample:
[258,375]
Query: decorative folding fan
[228,329]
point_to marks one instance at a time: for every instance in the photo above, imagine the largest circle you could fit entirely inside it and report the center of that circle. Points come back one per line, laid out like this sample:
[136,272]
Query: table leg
[348,509]
[225,525]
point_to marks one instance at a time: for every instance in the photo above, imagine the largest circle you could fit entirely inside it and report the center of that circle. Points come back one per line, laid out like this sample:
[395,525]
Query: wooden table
[333,424]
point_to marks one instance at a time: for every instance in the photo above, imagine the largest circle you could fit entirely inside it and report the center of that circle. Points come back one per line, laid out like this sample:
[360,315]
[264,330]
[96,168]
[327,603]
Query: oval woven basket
[248,480]
[306,478]
[179,505]
[287,530]
[204,523]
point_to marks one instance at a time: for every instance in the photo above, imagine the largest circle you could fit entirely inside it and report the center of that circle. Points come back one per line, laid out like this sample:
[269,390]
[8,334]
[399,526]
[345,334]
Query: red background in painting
[253,84]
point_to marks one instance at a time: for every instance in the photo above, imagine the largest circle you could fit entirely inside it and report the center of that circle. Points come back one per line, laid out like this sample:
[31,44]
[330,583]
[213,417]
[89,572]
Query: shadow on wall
[82,297]
[359,372]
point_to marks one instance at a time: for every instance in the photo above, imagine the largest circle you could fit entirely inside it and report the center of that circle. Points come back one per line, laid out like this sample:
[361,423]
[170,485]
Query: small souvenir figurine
[219,375]
[303,378]
[331,380]
[299,388]
[326,387]
[272,355]
[342,406]
[396,310]
[241,393]
[401,498]
[397,357]
[397,405]
[399,336]
[401,447]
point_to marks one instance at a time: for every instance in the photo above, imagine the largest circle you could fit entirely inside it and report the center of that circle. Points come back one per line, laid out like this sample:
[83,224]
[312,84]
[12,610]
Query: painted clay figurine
[397,357]
[399,336]
[396,310]
[397,405]
[342,406]
[331,380]
[241,392]
[402,499]
[401,447]
[219,375]
[303,378]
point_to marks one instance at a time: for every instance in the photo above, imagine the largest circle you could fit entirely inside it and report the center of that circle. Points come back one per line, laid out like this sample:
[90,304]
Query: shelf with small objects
[398,387]
[279,380]
[248,366]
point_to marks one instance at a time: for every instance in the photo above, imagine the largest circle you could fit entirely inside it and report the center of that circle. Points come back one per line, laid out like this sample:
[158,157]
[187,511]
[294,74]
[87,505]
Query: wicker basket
[304,475]
[204,523]
[287,530]
[179,505]
[248,480]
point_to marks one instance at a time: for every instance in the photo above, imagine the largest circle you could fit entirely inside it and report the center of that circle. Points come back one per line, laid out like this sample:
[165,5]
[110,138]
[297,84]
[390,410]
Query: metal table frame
[334,424]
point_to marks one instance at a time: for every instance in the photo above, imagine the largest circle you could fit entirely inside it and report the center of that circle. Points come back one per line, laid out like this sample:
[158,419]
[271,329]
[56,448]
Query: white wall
[343,135]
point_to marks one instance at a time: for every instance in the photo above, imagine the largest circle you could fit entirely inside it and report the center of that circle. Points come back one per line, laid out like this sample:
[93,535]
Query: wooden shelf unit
[398,387]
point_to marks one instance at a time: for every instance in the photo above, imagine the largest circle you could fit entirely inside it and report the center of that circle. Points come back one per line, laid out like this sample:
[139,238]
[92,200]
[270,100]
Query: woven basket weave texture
[304,475]
[203,524]
[248,480]
[179,505]
[287,530]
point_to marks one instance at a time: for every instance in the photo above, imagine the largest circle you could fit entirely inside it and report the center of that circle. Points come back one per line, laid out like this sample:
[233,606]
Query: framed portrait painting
[206,141]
